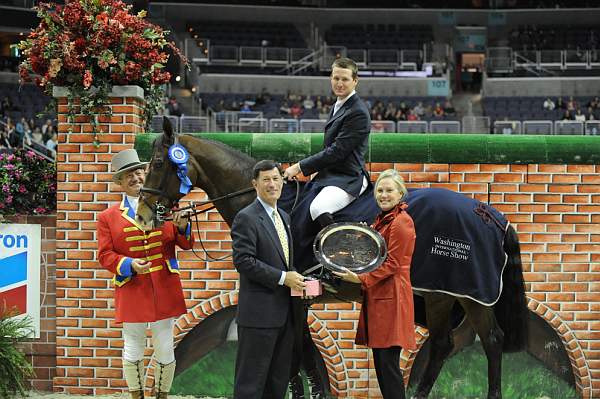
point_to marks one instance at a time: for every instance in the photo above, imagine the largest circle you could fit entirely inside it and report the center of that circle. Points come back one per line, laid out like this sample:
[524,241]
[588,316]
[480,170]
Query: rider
[340,165]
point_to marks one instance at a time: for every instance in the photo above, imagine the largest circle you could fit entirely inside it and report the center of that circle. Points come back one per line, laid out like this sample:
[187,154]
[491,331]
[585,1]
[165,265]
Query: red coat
[152,296]
[387,314]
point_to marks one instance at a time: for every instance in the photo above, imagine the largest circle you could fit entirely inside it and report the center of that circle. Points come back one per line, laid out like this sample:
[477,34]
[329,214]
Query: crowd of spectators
[297,106]
[572,110]
[26,132]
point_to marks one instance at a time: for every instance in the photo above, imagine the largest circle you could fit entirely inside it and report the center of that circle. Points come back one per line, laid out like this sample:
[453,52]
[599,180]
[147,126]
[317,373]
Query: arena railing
[255,122]
[281,125]
[569,127]
[412,127]
[253,125]
[508,127]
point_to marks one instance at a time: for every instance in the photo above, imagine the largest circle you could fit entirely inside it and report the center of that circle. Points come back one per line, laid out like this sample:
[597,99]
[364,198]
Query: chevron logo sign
[20,246]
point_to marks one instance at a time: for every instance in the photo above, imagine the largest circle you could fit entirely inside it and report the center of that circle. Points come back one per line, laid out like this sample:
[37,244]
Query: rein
[160,211]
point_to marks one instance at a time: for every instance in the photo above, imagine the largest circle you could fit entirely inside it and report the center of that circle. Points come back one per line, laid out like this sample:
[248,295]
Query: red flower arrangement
[90,45]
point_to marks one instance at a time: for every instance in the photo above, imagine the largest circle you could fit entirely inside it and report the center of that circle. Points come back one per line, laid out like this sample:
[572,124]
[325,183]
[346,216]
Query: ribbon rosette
[179,156]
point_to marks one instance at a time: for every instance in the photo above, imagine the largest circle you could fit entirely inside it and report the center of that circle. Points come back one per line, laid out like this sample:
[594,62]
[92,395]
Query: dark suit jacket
[258,257]
[341,162]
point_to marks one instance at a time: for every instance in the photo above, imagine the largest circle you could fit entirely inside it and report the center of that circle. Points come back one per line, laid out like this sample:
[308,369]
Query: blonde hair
[396,178]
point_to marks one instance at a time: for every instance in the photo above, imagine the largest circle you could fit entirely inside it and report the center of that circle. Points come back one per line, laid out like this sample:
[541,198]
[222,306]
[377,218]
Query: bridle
[161,212]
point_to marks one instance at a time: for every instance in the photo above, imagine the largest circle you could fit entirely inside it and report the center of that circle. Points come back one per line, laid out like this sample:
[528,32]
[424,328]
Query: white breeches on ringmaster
[331,199]
[134,336]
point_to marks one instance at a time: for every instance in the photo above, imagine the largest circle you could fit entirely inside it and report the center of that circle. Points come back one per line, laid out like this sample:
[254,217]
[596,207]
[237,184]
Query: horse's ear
[167,129]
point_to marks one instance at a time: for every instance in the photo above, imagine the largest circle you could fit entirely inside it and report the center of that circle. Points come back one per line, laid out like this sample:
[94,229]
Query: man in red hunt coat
[146,277]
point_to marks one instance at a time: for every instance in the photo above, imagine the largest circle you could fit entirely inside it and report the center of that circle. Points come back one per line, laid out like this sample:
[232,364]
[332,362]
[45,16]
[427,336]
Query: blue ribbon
[179,156]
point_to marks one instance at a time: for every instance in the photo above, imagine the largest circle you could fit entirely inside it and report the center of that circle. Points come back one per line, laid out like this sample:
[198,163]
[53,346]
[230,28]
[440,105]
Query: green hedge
[415,148]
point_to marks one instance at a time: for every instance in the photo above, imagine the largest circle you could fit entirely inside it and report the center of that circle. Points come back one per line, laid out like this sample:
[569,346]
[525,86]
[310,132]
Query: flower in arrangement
[90,45]
[28,184]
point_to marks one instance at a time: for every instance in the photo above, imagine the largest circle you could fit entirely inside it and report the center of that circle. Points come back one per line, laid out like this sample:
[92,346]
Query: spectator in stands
[594,103]
[549,104]
[567,116]
[571,104]
[400,115]
[220,106]
[264,97]
[308,103]
[405,108]
[173,107]
[590,114]
[449,108]
[45,127]
[49,132]
[37,136]
[560,104]
[6,105]
[324,111]
[246,108]
[296,110]
[438,111]
[284,110]
[52,143]
[579,116]
[390,112]
[4,141]
[419,109]
[412,116]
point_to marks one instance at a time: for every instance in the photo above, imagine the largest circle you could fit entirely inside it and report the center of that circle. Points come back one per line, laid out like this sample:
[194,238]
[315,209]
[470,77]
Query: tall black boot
[297,387]
[325,219]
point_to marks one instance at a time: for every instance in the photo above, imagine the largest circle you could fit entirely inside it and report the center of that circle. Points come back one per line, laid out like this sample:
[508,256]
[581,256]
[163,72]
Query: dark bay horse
[220,170]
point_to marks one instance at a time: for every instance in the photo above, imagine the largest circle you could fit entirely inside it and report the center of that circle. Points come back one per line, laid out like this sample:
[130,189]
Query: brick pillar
[88,350]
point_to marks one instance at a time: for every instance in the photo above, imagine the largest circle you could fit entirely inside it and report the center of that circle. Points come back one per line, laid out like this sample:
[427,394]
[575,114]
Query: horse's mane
[238,158]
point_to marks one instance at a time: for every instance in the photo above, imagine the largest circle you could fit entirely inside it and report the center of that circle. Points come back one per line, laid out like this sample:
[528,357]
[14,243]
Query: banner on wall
[438,87]
[20,247]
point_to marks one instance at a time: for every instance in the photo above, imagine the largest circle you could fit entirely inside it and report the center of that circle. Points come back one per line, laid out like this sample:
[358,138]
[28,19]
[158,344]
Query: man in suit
[267,314]
[340,165]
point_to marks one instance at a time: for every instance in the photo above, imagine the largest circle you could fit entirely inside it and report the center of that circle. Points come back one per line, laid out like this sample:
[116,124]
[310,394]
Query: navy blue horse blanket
[459,246]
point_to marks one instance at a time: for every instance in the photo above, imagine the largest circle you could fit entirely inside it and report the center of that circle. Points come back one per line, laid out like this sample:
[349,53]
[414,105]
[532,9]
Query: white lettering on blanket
[451,248]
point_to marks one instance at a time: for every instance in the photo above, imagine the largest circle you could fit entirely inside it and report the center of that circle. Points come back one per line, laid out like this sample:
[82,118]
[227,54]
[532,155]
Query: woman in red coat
[386,322]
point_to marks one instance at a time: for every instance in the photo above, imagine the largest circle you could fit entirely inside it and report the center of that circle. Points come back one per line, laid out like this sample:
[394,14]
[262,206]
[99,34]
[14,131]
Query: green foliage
[27,184]
[523,377]
[210,376]
[14,367]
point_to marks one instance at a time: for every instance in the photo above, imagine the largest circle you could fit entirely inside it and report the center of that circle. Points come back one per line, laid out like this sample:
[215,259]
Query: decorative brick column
[88,350]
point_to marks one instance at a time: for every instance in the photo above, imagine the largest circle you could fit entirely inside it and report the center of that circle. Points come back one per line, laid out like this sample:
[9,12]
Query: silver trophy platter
[354,246]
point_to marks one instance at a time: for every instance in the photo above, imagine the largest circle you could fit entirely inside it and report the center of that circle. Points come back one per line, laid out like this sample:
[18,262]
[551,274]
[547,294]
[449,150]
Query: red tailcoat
[387,314]
[151,296]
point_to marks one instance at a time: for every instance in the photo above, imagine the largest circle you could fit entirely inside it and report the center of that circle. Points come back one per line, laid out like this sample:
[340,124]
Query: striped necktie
[283,239]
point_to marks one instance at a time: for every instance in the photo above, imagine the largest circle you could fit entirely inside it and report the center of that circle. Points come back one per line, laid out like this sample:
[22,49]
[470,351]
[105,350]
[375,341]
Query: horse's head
[163,187]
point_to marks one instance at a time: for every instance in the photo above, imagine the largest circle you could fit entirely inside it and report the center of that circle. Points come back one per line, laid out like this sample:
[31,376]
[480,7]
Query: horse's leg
[485,325]
[438,308]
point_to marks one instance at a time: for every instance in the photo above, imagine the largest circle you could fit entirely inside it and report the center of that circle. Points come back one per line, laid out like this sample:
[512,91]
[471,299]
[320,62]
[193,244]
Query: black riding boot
[314,382]
[297,387]
[325,219]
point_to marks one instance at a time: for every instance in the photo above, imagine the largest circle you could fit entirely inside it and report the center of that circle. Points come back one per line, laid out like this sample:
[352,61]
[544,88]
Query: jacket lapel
[267,223]
[128,214]
[347,105]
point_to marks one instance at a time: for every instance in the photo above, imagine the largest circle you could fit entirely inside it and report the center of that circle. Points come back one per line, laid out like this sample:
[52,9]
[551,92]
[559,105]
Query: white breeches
[331,199]
[134,336]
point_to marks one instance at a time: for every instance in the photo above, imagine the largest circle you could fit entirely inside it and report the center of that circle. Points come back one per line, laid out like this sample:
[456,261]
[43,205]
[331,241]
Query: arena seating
[27,101]
[244,33]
